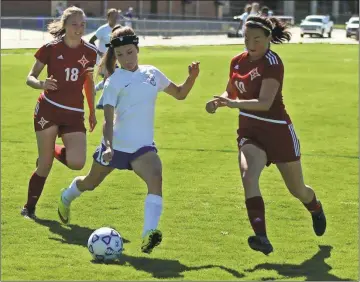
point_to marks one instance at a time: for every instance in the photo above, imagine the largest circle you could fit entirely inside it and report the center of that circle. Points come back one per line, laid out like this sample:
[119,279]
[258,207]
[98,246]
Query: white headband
[259,24]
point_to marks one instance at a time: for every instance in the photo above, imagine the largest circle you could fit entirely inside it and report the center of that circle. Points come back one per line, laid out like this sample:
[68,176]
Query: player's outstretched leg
[45,140]
[79,185]
[293,178]
[148,167]
[252,161]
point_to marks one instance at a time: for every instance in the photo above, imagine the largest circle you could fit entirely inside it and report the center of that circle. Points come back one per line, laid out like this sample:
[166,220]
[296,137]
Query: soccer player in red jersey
[266,134]
[60,108]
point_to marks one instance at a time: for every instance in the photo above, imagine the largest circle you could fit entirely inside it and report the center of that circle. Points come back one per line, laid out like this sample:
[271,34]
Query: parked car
[316,25]
[352,27]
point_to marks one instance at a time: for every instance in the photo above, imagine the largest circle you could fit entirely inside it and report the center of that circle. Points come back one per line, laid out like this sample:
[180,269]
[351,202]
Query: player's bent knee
[75,164]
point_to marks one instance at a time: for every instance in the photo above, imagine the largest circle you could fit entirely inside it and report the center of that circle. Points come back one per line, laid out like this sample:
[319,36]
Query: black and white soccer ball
[105,244]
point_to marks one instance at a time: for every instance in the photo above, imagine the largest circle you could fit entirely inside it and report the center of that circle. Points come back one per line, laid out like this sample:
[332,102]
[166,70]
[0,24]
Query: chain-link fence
[147,27]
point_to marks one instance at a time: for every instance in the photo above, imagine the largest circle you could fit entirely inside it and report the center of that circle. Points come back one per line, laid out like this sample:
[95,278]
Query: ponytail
[108,62]
[56,29]
[279,31]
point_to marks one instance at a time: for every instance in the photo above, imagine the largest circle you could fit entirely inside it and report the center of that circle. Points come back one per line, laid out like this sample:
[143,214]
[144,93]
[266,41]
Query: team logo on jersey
[42,122]
[254,73]
[83,61]
[236,67]
[60,57]
[151,79]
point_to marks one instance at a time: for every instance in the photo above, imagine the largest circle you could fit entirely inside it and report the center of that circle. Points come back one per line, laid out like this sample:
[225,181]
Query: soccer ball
[105,244]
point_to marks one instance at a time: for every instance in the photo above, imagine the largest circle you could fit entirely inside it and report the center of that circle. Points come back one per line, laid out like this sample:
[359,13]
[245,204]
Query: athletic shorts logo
[42,122]
[242,141]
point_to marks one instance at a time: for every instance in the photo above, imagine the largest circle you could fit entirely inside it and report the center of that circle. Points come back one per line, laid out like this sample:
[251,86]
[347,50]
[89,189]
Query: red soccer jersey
[246,79]
[68,66]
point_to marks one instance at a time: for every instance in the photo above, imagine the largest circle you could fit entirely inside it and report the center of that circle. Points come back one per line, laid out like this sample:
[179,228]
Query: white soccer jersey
[133,95]
[103,33]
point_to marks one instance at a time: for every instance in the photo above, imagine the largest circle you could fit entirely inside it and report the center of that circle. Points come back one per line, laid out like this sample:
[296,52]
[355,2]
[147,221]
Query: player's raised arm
[180,92]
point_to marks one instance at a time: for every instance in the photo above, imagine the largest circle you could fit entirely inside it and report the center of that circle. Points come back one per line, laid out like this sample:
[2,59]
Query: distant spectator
[129,16]
[255,9]
[265,11]
[243,18]
[59,9]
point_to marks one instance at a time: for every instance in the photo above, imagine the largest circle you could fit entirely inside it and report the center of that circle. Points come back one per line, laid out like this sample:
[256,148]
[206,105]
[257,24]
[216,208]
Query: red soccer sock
[313,206]
[256,213]
[60,153]
[36,186]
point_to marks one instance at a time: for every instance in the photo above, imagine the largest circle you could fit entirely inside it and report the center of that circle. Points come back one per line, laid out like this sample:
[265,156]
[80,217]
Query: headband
[259,24]
[123,40]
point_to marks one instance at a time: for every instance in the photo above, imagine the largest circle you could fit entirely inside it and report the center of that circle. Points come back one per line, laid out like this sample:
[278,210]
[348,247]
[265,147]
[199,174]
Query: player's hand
[227,102]
[194,69]
[108,154]
[212,106]
[50,83]
[92,121]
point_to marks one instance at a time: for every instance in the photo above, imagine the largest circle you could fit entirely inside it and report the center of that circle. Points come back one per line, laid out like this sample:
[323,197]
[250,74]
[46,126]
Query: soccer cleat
[260,244]
[151,239]
[319,221]
[28,213]
[63,210]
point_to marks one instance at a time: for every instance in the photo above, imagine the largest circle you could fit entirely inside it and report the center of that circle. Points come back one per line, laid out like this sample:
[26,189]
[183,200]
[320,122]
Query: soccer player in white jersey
[102,35]
[128,133]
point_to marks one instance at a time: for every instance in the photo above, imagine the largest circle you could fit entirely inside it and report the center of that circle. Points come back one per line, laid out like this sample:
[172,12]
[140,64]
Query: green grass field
[204,223]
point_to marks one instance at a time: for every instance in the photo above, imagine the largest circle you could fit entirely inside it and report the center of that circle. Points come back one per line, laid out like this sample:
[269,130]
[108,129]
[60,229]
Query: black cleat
[319,221]
[27,213]
[260,244]
[152,239]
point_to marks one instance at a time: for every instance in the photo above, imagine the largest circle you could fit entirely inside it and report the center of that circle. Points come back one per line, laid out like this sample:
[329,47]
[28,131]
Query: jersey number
[72,74]
[99,157]
[241,86]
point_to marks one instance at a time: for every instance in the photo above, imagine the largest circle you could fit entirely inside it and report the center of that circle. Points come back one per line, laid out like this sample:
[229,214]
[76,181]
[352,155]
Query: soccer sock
[256,213]
[153,209]
[60,153]
[71,193]
[99,86]
[36,186]
[313,206]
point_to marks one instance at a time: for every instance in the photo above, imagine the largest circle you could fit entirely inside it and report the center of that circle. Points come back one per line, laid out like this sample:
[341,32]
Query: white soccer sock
[99,86]
[153,209]
[71,193]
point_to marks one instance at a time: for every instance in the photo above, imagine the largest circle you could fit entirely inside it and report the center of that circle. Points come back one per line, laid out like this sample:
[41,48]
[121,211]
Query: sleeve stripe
[272,58]
[90,46]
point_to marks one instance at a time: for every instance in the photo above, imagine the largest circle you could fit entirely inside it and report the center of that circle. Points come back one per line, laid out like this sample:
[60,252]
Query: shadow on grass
[314,269]
[71,234]
[164,268]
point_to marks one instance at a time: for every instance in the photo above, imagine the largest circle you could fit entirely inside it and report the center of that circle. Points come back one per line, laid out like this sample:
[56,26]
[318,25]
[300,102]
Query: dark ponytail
[278,29]
[108,62]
